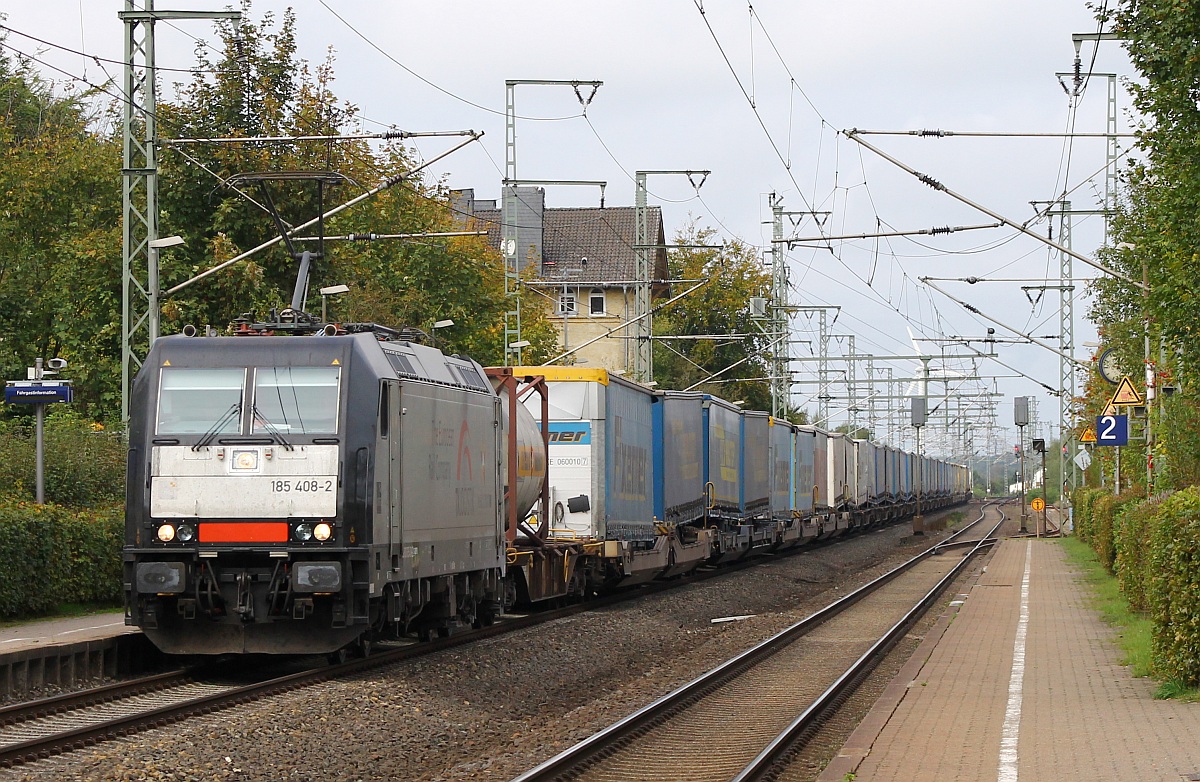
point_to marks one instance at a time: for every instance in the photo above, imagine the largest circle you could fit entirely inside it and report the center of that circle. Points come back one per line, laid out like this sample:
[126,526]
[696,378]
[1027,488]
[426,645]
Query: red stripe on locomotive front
[244,532]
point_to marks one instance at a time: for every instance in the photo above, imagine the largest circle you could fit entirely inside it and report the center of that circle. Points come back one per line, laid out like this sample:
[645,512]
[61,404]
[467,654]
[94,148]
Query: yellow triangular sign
[1127,394]
[336,363]
[167,363]
[1111,409]
[1089,435]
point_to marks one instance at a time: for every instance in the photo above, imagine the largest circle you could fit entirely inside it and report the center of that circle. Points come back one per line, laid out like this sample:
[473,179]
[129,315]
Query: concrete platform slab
[1024,683]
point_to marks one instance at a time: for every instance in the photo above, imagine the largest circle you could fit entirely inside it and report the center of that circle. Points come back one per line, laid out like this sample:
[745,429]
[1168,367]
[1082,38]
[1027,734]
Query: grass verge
[1133,628]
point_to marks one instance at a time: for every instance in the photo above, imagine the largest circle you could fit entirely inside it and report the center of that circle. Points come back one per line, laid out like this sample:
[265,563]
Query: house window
[566,304]
[596,302]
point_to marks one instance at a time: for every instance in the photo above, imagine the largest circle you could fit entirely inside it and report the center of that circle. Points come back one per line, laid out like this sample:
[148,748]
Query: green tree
[59,237]
[1155,230]
[738,347]
[258,87]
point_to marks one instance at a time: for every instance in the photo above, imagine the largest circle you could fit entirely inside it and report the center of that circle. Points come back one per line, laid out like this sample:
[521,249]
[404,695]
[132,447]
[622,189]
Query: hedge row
[85,463]
[53,555]
[1153,548]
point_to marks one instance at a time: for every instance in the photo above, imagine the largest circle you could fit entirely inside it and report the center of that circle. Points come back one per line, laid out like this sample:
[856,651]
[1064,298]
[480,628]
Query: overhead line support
[139,173]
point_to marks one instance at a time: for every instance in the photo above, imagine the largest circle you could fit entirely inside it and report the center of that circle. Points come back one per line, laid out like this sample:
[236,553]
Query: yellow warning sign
[1110,409]
[1038,504]
[1089,435]
[1127,394]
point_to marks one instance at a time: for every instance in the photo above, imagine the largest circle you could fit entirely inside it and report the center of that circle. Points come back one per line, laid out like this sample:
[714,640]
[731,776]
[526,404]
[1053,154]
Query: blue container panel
[781,469]
[723,453]
[679,457]
[881,481]
[628,450]
[803,446]
[756,461]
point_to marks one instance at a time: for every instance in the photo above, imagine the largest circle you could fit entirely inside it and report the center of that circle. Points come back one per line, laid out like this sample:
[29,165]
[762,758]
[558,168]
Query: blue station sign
[34,392]
[1112,430]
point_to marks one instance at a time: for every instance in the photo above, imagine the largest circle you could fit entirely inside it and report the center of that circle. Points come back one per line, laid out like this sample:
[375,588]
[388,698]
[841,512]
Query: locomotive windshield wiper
[233,412]
[270,427]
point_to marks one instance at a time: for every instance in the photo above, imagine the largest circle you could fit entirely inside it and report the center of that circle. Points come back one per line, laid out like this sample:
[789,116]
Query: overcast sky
[670,100]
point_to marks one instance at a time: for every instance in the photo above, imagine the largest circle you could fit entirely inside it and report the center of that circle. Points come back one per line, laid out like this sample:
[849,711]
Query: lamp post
[152,281]
[515,347]
[441,324]
[326,292]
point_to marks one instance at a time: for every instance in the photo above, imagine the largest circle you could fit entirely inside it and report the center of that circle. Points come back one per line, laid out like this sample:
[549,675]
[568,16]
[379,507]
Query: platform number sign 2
[1112,430]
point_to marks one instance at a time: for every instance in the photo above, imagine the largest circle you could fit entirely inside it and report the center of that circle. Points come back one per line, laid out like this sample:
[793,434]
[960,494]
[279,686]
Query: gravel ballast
[493,709]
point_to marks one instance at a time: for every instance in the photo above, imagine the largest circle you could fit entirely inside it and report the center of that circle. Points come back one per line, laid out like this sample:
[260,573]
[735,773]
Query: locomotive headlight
[166,533]
[304,532]
[322,531]
[245,460]
[186,533]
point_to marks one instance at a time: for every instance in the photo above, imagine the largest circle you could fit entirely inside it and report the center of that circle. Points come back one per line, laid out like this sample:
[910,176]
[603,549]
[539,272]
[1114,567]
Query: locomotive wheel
[485,614]
[340,656]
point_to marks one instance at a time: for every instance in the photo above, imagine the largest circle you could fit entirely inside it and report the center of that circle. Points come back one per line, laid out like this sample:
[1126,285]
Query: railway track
[40,729]
[739,720]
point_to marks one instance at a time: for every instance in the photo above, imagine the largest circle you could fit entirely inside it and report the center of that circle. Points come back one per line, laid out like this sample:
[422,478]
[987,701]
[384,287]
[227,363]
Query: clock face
[1110,370]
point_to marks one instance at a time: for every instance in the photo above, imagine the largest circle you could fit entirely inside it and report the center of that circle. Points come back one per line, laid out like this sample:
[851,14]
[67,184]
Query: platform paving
[1022,681]
[53,632]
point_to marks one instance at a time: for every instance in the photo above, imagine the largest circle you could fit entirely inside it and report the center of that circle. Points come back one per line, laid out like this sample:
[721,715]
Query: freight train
[300,487]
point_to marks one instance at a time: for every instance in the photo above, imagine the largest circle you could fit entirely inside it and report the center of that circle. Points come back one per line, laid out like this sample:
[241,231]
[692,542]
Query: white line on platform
[17,640]
[1012,713]
[93,627]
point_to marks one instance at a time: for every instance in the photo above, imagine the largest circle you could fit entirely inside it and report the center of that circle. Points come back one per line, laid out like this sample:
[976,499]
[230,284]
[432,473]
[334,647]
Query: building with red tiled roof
[585,263]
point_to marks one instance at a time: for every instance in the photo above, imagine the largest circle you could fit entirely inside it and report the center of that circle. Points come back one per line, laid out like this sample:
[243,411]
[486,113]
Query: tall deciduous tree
[1156,232]
[258,87]
[60,246]
[722,307]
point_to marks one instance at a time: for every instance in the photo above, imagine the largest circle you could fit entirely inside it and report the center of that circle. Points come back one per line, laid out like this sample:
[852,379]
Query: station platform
[1021,680]
[53,632]
[65,652]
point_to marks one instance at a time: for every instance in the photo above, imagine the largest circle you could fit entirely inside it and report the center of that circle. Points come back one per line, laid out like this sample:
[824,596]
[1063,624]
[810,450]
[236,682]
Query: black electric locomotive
[301,494]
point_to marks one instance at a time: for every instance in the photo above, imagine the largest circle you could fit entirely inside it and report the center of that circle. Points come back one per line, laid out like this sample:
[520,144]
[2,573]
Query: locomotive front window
[296,400]
[193,401]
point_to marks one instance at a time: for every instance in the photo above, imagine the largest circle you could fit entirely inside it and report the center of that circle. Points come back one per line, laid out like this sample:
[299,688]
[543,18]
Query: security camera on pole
[1021,419]
[39,392]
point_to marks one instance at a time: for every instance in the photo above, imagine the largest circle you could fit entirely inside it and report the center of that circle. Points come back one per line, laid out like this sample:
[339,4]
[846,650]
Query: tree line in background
[60,229]
[1156,235]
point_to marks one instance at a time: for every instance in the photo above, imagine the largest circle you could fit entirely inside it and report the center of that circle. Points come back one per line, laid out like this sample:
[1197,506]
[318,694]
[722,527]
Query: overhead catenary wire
[430,83]
[387,183]
[936,185]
